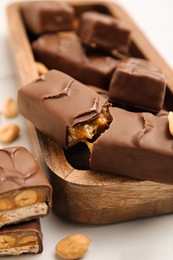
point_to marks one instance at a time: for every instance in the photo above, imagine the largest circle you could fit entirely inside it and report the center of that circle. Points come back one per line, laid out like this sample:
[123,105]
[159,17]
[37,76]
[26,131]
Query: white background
[146,239]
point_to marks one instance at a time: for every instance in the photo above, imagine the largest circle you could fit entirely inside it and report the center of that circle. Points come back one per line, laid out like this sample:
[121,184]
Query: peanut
[73,246]
[10,108]
[9,133]
[7,241]
[26,198]
[27,239]
[6,204]
[170,122]
[41,68]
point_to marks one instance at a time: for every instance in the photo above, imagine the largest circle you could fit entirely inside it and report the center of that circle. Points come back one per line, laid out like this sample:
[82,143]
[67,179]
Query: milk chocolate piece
[41,17]
[64,109]
[104,32]
[64,52]
[21,239]
[25,192]
[138,83]
[137,145]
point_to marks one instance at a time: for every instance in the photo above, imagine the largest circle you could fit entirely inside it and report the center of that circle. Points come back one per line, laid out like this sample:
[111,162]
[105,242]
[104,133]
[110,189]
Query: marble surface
[145,239]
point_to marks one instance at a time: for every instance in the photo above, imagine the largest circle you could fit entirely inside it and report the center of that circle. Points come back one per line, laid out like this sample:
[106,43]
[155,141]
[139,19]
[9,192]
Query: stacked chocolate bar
[25,196]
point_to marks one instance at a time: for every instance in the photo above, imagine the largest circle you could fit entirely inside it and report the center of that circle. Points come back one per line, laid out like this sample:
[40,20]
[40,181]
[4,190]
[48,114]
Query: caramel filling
[89,131]
[22,198]
[17,240]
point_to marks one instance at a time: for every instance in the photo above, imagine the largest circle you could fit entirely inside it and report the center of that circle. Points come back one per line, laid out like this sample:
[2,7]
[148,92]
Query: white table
[146,239]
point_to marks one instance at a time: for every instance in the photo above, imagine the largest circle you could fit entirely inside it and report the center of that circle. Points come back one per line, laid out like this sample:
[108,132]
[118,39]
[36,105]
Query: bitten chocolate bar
[138,83]
[41,17]
[104,32]
[64,52]
[64,109]
[25,192]
[21,239]
[137,145]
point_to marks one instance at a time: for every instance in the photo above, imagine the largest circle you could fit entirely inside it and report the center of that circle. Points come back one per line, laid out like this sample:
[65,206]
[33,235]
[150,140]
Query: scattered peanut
[7,241]
[73,246]
[170,122]
[9,133]
[26,198]
[41,68]
[10,108]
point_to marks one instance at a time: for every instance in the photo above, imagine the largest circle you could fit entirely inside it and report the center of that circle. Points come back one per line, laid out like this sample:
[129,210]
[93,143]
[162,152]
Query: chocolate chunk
[137,145]
[42,17]
[64,109]
[25,192]
[104,32]
[138,83]
[21,239]
[64,52]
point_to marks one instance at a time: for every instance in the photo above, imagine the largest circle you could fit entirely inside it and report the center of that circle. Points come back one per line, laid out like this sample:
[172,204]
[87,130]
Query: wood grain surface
[82,195]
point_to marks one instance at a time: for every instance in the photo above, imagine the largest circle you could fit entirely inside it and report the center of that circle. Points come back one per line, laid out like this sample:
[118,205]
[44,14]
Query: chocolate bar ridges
[64,52]
[104,32]
[42,17]
[25,192]
[64,109]
[137,145]
[138,83]
[21,239]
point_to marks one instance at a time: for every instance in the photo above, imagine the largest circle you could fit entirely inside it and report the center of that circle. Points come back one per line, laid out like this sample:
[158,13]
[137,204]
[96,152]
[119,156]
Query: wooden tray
[82,195]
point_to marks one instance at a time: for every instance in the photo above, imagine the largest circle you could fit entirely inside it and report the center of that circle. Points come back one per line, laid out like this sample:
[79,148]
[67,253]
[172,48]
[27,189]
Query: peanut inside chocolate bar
[21,238]
[25,192]
[88,131]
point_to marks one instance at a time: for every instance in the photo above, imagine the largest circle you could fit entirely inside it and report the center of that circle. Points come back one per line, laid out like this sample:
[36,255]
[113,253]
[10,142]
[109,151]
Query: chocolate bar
[100,91]
[25,192]
[64,52]
[138,83]
[42,17]
[137,145]
[104,32]
[21,239]
[64,109]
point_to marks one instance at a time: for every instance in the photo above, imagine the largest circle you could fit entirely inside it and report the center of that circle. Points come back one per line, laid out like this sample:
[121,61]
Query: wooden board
[82,195]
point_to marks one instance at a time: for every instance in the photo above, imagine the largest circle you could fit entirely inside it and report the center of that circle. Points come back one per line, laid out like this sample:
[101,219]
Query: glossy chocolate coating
[138,83]
[55,101]
[41,17]
[19,170]
[64,52]
[137,145]
[104,32]
[29,228]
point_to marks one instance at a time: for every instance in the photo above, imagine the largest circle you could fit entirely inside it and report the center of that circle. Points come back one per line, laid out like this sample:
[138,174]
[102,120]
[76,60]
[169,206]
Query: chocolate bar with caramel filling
[64,52]
[45,17]
[104,32]
[25,192]
[21,238]
[64,109]
[137,145]
[138,83]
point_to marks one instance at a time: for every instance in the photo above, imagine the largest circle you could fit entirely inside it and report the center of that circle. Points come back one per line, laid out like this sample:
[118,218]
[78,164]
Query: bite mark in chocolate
[64,109]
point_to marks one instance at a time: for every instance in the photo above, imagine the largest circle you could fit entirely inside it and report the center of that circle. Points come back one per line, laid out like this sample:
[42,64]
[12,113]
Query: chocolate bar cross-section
[25,192]
[21,238]
[64,109]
